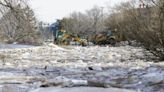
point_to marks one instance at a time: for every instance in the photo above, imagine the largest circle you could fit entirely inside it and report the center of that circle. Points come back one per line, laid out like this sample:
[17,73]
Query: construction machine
[69,39]
[104,38]
[62,37]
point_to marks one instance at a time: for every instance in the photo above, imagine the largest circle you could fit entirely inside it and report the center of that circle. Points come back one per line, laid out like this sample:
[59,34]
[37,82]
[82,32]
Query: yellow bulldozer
[104,38]
[108,37]
[101,39]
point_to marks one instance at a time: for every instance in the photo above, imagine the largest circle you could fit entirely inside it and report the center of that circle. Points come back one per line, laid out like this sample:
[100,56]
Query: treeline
[94,21]
[145,25]
[85,24]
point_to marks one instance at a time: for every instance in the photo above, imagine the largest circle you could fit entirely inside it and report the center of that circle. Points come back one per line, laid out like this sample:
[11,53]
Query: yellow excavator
[64,38]
[104,38]
[108,37]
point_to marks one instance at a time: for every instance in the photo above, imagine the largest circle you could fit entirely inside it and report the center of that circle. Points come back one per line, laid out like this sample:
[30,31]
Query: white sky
[50,10]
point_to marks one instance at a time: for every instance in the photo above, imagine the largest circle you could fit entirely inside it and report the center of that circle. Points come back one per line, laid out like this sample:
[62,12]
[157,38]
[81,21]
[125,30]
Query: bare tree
[85,24]
[95,16]
[145,25]
[18,21]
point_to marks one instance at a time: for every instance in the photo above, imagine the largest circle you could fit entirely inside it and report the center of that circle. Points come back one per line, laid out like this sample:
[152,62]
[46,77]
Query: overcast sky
[50,10]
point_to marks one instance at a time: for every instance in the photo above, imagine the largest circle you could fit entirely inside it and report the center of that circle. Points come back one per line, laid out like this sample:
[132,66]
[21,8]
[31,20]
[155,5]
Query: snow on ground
[124,67]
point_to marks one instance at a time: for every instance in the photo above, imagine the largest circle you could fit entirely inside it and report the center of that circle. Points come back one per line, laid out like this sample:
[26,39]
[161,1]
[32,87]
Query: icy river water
[52,68]
[9,46]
